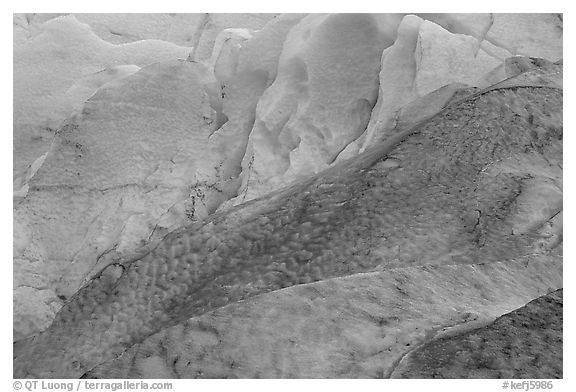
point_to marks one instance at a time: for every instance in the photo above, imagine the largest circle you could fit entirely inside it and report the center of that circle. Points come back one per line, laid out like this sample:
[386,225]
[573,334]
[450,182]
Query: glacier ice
[62,55]
[117,142]
[123,172]
[320,101]
[424,200]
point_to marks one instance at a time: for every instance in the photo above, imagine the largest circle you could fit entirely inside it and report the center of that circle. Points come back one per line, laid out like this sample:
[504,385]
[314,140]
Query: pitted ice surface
[359,216]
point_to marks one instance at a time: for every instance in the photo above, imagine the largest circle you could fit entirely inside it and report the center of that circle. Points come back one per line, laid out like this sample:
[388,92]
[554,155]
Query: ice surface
[443,58]
[433,200]
[212,24]
[534,35]
[320,101]
[251,69]
[263,50]
[180,29]
[354,327]
[117,142]
[396,87]
[227,47]
[123,172]
[424,58]
[54,71]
